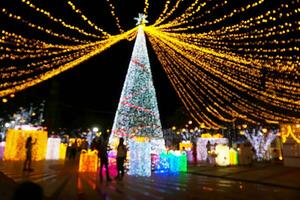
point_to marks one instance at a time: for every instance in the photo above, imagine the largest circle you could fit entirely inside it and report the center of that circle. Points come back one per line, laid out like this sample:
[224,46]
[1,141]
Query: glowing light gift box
[160,163]
[222,151]
[16,140]
[177,161]
[2,146]
[53,149]
[112,164]
[62,151]
[187,145]
[233,155]
[202,142]
[140,156]
[88,161]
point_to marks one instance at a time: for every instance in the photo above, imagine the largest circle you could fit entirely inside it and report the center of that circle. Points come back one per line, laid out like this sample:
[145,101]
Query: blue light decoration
[178,161]
[171,162]
[140,156]
[160,163]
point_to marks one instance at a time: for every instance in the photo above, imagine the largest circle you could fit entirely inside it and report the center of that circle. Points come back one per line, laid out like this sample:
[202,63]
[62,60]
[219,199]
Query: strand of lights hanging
[217,89]
[26,61]
[50,69]
[58,20]
[89,22]
[113,13]
[202,80]
[292,130]
[41,28]
[211,60]
[213,65]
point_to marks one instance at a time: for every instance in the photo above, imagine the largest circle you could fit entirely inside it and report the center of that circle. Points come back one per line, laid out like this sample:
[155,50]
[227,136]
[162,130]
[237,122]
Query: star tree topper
[141,19]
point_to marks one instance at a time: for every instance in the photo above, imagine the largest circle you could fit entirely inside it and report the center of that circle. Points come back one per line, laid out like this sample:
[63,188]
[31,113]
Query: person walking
[102,154]
[121,157]
[209,152]
[27,163]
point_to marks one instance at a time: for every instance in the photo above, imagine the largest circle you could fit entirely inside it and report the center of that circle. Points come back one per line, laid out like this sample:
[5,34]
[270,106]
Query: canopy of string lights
[227,60]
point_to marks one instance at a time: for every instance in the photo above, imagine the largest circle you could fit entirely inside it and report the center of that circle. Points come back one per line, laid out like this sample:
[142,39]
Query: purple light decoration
[2,146]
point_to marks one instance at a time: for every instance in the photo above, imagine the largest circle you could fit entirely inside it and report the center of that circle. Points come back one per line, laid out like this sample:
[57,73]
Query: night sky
[88,94]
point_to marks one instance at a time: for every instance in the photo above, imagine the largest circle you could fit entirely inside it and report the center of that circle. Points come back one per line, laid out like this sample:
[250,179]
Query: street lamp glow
[95,129]
[244,125]
[190,122]
[264,130]
[6,125]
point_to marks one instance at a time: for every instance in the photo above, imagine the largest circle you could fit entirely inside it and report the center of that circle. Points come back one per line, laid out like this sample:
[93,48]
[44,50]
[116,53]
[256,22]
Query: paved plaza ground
[60,180]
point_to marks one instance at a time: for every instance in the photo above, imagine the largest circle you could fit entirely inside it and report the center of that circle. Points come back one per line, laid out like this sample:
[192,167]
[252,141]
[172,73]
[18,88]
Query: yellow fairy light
[58,20]
[15,144]
[89,22]
[102,45]
[88,161]
[113,13]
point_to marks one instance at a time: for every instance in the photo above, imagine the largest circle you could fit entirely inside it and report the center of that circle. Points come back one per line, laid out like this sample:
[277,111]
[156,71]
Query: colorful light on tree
[137,118]
[137,113]
[261,142]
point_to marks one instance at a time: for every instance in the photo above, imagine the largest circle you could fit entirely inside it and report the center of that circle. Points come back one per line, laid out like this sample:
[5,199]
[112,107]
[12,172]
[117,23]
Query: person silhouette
[28,190]
[121,157]
[27,163]
[102,154]
[208,149]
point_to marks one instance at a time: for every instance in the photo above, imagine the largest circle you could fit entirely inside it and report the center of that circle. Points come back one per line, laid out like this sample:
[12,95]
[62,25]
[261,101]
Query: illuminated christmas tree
[137,113]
